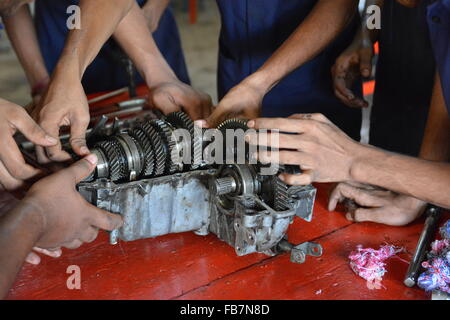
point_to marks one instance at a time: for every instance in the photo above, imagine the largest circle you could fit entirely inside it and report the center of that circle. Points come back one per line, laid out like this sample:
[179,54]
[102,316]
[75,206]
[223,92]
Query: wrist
[361,157]
[156,73]
[260,82]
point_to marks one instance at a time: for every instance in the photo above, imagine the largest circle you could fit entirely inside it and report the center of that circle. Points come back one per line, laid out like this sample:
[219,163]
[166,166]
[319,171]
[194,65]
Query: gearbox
[151,171]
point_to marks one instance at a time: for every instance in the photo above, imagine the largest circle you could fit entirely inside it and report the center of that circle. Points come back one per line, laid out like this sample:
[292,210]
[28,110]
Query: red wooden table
[187,266]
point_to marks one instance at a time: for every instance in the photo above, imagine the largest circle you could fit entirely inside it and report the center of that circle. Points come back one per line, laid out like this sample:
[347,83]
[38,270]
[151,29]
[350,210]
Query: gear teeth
[166,134]
[281,195]
[158,148]
[149,164]
[113,152]
[233,124]
[182,120]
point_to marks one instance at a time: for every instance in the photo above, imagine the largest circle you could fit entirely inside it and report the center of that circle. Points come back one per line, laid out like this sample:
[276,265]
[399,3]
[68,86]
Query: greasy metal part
[108,95]
[431,224]
[299,252]
[136,179]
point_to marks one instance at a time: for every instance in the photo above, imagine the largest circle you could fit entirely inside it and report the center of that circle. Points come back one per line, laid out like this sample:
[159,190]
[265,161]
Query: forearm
[137,41]
[320,28]
[22,35]
[365,33]
[99,19]
[19,231]
[422,179]
[436,141]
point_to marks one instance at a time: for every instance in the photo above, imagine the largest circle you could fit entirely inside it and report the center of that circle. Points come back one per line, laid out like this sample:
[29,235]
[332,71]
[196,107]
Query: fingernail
[84,150]
[92,158]
[50,139]
[351,97]
[251,123]
[366,73]
[200,123]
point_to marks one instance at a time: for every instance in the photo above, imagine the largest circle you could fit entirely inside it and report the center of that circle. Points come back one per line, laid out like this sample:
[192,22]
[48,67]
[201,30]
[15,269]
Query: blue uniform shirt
[252,30]
[105,73]
[439,23]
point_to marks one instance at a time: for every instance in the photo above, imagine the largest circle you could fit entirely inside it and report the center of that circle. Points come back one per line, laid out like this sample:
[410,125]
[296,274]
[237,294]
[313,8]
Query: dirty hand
[322,150]
[66,219]
[243,101]
[153,11]
[381,206]
[64,104]
[13,169]
[178,96]
[349,66]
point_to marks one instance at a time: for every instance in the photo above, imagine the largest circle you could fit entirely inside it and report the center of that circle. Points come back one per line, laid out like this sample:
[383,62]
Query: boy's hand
[380,206]
[67,220]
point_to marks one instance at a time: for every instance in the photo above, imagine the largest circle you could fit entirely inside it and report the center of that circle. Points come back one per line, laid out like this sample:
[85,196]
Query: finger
[80,169]
[32,131]
[105,220]
[33,258]
[78,136]
[335,197]
[12,159]
[367,215]
[366,62]
[286,157]
[73,244]
[7,181]
[361,196]
[274,140]
[89,235]
[298,179]
[41,155]
[54,153]
[56,253]
[216,117]
[281,124]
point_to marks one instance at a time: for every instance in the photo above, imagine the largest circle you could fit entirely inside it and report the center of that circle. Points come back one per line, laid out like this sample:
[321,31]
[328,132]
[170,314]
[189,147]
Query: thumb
[105,220]
[216,117]
[365,64]
[82,168]
[32,131]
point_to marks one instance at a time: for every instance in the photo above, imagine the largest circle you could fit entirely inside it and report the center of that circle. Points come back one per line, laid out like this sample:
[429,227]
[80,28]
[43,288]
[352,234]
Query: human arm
[22,34]
[326,154]
[323,25]
[153,11]
[52,215]
[65,102]
[356,61]
[167,93]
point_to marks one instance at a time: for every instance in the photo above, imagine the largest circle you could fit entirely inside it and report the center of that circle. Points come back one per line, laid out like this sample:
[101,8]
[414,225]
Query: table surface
[187,266]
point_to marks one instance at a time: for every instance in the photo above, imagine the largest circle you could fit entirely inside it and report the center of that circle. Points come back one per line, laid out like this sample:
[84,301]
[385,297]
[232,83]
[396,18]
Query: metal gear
[113,152]
[230,146]
[147,149]
[281,195]
[165,132]
[181,120]
[158,148]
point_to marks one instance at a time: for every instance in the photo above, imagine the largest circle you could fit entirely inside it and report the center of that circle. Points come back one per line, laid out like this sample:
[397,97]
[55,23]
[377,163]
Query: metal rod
[431,223]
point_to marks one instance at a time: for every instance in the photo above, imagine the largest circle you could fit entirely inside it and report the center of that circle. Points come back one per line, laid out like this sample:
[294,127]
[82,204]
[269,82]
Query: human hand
[243,101]
[65,218]
[153,11]
[177,96]
[64,104]
[349,66]
[380,206]
[13,169]
[322,150]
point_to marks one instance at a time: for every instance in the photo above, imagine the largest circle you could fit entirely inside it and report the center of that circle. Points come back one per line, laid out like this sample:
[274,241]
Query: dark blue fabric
[439,25]
[105,73]
[251,32]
